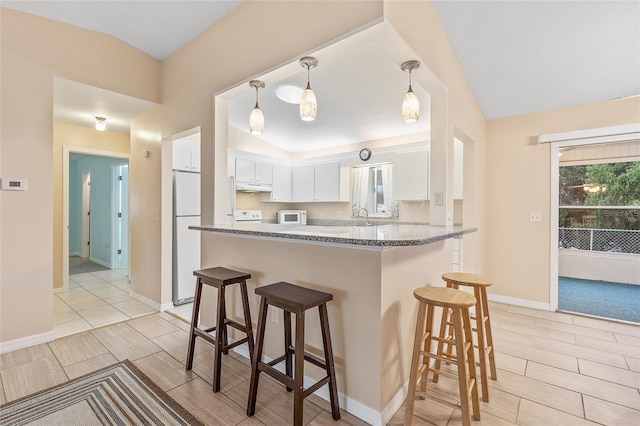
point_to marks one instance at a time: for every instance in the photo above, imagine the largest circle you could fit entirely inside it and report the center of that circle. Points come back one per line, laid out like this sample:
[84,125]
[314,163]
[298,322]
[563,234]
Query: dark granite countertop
[377,235]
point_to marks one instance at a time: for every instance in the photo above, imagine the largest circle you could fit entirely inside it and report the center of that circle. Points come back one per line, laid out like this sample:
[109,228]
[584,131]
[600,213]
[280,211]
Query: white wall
[599,266]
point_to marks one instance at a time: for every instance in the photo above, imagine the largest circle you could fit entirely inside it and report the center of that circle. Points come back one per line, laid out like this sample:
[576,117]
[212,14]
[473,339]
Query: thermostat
[13,184]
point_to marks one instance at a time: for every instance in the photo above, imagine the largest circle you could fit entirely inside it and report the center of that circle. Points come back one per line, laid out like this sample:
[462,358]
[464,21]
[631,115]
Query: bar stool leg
[328,355]
[288,360]
[426,348]
[298,390]
[256,358]
[415,357]
[194,324]
[463,366]
[220,338]
[445,332]
[247,317]
[482,348]
[489,342]
[473,380]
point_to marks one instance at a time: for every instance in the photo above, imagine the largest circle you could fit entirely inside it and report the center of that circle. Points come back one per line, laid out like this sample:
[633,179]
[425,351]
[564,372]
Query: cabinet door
[327,182]
[281,183]
[181,155]
[195,156]
[245,170]
[302,185]
[410,176]
[264,173]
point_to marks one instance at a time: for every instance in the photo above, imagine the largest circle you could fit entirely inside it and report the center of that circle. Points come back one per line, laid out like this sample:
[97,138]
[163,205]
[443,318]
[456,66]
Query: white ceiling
[519,56]
[522,57]
[80,104]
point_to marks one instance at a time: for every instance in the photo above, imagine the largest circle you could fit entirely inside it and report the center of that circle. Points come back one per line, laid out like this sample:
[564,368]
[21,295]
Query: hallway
[95,299]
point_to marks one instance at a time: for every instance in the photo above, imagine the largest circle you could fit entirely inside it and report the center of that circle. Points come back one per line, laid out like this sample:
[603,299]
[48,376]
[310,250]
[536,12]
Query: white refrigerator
[186,242]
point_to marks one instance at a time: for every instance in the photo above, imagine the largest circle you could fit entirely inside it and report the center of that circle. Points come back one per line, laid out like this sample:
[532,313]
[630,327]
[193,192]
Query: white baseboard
[100,262]
[394,405]
[166,306]
[520,302]
[351,406]
[151,303]
[75,253]
[25,342]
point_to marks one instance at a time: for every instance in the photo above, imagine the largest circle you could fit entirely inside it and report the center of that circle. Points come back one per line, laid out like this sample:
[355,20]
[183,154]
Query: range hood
[253,187]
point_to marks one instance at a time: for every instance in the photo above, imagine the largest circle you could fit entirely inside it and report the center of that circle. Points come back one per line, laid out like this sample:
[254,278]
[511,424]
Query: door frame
[66,150]
[627,132]
[116,222]
[85,250]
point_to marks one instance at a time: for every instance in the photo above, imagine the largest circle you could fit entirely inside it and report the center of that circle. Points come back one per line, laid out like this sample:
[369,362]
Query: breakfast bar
[371,271]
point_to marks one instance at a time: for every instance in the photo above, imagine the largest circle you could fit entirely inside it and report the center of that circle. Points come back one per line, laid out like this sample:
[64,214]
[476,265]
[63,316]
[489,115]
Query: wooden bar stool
[483,324]
[219,278]
[293,299]
[459,303]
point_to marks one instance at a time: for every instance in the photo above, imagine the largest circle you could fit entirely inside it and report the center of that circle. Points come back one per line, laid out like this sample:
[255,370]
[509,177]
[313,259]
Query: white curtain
[386,170]
[360,188]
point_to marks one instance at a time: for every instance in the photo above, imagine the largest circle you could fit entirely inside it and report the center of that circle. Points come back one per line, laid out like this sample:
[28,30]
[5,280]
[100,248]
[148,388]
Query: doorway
[596,252]
[90,200]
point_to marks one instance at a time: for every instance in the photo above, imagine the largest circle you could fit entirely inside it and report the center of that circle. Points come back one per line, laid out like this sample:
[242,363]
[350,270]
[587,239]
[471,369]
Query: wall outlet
[535,217]
[275,315]
[438,198]
[338,213]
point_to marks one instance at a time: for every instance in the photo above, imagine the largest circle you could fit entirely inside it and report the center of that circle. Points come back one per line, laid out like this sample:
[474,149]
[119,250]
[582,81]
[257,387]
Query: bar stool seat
[482,329]
[293,299]
[219,277]
[459,303]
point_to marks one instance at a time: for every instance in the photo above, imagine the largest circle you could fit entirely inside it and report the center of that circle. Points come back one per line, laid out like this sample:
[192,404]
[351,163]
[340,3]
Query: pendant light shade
[101,124]
[256,119]
[308,101]
[410,103]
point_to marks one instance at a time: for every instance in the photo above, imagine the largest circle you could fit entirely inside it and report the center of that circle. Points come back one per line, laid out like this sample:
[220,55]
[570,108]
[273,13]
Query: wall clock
[365,154]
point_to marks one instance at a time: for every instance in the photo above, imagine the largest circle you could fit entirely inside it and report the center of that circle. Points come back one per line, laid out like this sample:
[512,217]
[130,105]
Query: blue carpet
[599,298]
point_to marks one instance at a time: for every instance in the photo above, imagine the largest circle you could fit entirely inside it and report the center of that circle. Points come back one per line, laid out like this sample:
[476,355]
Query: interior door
[86,215]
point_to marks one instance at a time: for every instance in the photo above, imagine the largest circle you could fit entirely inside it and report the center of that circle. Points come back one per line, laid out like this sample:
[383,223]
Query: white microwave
[292,217]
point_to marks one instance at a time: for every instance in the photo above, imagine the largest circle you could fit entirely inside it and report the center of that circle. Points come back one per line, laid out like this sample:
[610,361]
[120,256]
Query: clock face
[365,154]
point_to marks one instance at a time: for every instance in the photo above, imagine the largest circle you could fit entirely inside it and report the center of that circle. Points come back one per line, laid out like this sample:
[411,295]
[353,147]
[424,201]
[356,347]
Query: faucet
[366,214]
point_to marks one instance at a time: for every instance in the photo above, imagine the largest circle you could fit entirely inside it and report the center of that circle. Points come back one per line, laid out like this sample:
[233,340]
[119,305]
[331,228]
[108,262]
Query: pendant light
[101,124]
[256,119]
[410,103]
[308,102]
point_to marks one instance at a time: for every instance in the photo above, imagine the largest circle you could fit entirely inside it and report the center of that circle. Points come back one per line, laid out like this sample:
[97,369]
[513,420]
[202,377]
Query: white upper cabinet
[303,181]
[327,182]
[317,182]
[252,171]
[281,183]
[411,176]
[186,155]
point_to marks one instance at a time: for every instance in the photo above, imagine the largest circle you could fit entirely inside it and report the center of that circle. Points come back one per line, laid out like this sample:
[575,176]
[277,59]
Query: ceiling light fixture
[256,119]
[101,124]
[308,102]
[410,103]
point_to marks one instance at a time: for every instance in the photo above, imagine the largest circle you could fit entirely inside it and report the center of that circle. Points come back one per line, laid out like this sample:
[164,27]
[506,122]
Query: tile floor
[553,369]
[95,299]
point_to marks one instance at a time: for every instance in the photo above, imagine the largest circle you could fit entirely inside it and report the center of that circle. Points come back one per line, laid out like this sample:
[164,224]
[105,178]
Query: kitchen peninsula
[371,271]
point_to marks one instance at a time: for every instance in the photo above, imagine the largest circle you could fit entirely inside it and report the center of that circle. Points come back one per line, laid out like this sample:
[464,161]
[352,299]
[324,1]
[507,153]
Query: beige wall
[83,138]
[418,24]
[34,50]
[518,182]
[213,62]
